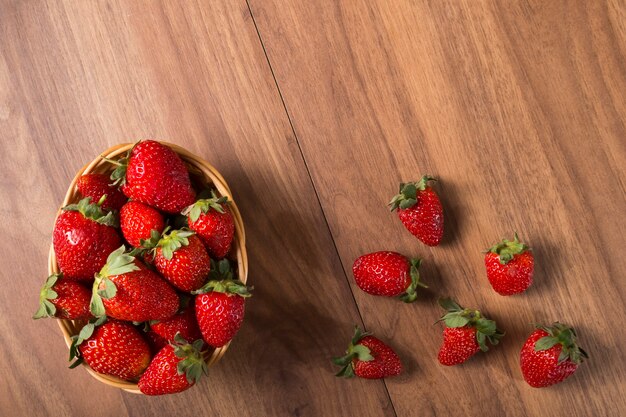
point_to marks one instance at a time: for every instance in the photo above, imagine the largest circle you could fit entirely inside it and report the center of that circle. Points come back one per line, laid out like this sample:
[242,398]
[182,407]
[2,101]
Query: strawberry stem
[564,335]
[407,197]
[354,351]
[205,205]
[94,211]
[507,249]
[411,292]
[46,308]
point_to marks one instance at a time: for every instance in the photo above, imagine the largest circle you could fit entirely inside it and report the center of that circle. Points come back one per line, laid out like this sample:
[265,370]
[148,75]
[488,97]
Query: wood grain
[518,108]
[78,77]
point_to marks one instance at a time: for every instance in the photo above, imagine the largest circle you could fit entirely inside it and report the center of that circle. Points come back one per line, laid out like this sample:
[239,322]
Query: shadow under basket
[200,171]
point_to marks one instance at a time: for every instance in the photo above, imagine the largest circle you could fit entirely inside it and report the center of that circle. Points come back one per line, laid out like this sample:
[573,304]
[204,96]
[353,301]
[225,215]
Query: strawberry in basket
[126,290]
[212,221]
[154,174]
[84,236]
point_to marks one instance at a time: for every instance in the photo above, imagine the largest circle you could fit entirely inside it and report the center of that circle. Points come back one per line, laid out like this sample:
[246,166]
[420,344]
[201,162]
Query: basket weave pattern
[213,177]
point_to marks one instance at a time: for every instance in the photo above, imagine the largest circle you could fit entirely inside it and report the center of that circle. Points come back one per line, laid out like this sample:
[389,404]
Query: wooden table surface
[314,112]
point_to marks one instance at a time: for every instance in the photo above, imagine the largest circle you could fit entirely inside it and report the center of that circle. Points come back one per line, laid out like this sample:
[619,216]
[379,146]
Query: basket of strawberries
[148,268]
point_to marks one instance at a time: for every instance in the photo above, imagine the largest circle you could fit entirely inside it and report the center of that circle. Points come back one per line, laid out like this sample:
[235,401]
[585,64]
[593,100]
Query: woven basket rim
[211,175]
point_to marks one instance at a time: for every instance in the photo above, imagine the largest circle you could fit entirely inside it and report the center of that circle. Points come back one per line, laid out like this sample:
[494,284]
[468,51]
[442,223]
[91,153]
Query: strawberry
[510,266]
[63,299]
[126,290]
[137,220]
[182,259]
[550,355]
[184,323]
[419,209]
[98,185]
[175,368]
[465,334]
[368,357]
[83,237]
[113,348]
[154,174]
[212,221]
[220,305]
[388,274]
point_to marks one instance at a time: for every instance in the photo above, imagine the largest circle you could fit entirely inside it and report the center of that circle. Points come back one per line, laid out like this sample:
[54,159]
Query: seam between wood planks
[308,171]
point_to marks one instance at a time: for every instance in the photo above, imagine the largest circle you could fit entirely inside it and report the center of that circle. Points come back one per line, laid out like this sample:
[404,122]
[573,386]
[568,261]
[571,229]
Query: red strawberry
[510,266]
[389,274]
[98,185]
[220,305]
[368,357]
[550,355]
[182,259]
[83,237]
[126,290]
[459,344]
[466,333]
[174,369]
[184,323]
[63,299]
[212,221]
[113,348]
[420,210]
[154,174]
[138,220]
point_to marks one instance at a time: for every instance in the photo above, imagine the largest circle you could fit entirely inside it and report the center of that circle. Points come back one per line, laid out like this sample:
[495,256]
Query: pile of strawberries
[144,266]
[550,353]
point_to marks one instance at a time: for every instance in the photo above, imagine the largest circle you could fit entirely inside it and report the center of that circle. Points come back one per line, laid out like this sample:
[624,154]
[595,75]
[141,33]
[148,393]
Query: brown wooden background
[314,111]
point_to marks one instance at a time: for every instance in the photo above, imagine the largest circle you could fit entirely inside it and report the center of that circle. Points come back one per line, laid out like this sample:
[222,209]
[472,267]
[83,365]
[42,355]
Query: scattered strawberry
[220,305]
[368,357]
[212,221]
[126,290]
[63,299]
[154,174]
[550,355]
[83,237]
[389,274]
[138,220]
[510,266]
[113,348]
[182,259]
[465,334]
[420,210]
[184,323]
[98,185]
[174,369]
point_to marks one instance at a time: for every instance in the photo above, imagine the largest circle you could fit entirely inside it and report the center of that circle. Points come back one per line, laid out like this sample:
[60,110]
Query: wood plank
[78,77]
[517,107]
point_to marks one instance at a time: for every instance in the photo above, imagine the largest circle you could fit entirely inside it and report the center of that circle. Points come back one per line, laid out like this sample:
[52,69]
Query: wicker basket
[198,168]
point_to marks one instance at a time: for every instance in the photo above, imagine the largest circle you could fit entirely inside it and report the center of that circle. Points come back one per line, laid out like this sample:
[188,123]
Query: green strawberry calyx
[47,293]
[354,351]
[118,176]
[407,197]
[507,249]
[169,242]
[192,363]
[458,316]
[94,211]
[411,292]
[221,280]
[559,333]
[85,333]
[203,206]
[119,262]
